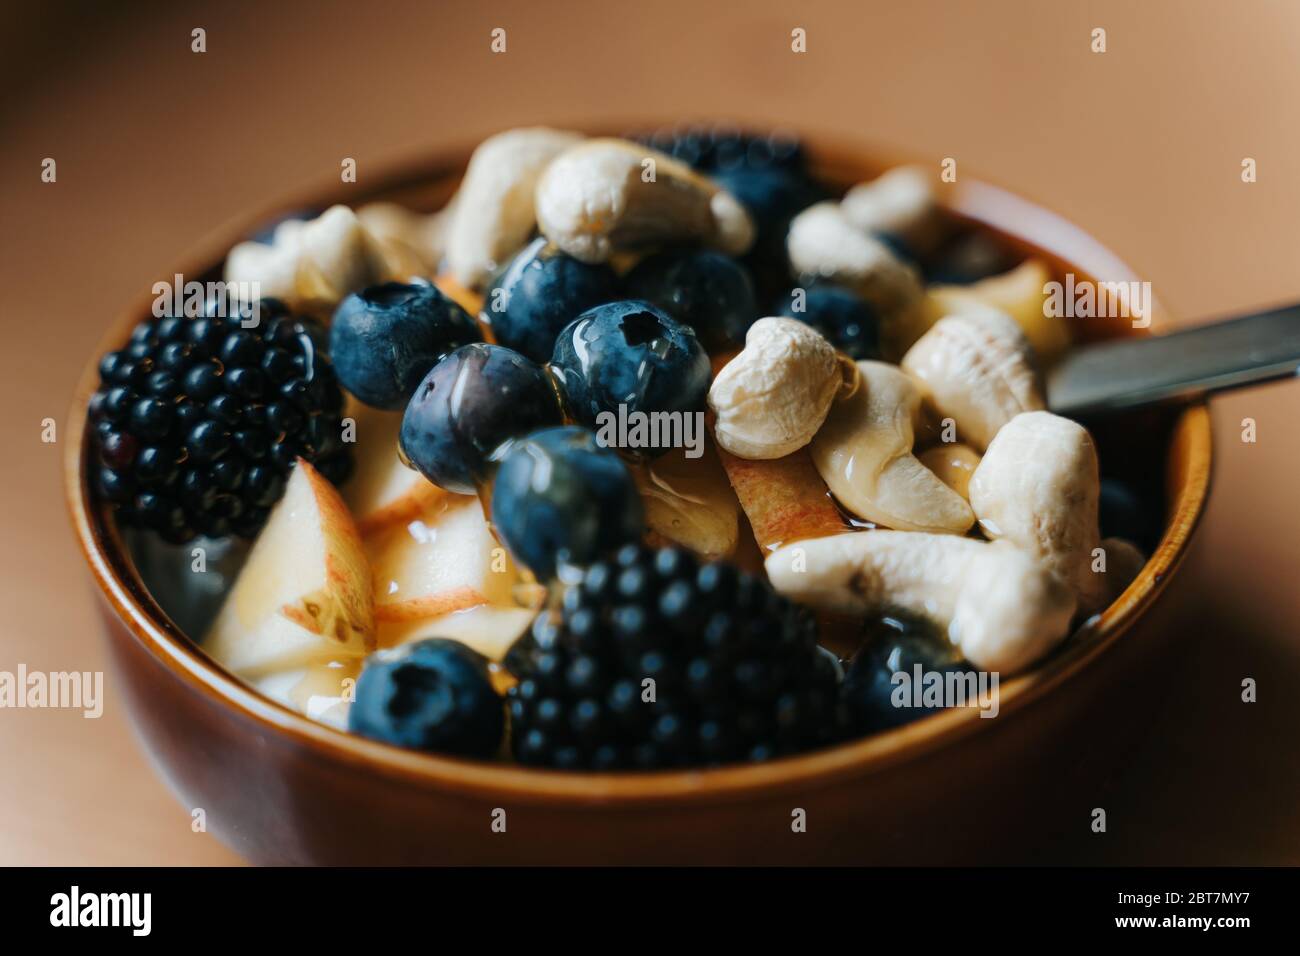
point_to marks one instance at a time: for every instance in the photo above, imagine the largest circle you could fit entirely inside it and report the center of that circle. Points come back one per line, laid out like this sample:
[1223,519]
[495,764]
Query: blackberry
[720,148]
[737,672]
[198,420]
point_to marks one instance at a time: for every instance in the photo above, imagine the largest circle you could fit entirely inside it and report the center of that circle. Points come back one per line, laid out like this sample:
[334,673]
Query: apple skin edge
[421,496]
[431,605]
[785,499]
[343,610]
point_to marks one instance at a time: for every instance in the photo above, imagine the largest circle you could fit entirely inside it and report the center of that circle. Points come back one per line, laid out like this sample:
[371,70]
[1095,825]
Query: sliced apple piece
[384,492]
[489,629]
[688,501]
[323,692]
[446,560]
[785,499]
[304,594]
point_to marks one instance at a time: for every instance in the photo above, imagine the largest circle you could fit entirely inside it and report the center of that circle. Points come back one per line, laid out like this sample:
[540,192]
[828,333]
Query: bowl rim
[1016,218]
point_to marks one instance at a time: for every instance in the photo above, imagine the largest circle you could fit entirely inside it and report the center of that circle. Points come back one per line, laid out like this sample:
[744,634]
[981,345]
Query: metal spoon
[1111,376]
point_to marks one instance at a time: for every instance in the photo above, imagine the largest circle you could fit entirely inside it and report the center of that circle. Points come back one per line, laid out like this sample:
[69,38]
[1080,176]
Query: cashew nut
[494,214]
[1037,488]
[1001,608]
[272,265]
[1019,293]
[977,368]
[823,242]
[900,202]
[601,196]
[773,396]
[312,264]
[953,463]
[864,454]
[405,233]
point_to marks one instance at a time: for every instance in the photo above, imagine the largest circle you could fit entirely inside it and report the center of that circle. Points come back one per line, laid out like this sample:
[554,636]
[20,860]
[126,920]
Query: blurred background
[1142,146]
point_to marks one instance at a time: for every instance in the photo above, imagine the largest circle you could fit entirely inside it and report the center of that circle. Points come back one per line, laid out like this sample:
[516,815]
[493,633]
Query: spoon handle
[1111,376]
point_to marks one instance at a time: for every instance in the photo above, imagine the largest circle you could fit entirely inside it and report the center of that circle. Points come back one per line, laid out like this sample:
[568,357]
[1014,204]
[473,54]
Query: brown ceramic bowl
[279,788]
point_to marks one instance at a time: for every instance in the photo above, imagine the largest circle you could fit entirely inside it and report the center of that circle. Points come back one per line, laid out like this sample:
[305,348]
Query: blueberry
[561,497]
[773,197]
[540,292]
[433,695]
[848,321]
[895,643]
[702,288]
[900,247]
[385,338]
[630,354]
[1123,514]
[471,402]
[969,258]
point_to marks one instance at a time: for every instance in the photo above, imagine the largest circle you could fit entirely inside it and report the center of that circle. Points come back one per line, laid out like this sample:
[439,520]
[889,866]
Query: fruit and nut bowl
[641,453]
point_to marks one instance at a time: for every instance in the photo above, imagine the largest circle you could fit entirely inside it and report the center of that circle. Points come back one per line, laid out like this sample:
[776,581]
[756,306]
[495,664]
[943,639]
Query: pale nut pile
[594,199]
[1006,601]
[608,194]
[315,263]
[774,395]
[999,605]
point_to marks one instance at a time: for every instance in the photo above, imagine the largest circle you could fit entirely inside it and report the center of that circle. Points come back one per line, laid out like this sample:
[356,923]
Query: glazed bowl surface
[280,788]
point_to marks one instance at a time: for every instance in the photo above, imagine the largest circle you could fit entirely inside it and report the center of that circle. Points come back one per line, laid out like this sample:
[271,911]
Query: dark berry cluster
[198,420]
[718,148]
[654,659]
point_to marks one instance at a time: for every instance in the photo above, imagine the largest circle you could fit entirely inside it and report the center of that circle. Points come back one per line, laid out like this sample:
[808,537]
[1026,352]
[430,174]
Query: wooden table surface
[1141,145]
